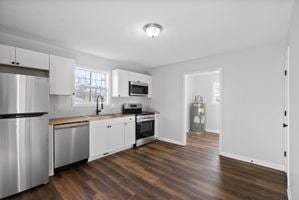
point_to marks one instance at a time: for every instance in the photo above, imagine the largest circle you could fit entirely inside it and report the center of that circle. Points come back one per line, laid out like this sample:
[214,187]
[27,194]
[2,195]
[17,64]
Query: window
[216,93]
[88,85]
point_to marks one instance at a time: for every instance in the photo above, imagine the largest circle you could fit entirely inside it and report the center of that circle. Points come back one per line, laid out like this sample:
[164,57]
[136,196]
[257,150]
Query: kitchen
[95,105]
[73,139]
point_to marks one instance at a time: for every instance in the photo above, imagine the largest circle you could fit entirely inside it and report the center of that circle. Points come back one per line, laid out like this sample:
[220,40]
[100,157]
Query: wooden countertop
[87,118]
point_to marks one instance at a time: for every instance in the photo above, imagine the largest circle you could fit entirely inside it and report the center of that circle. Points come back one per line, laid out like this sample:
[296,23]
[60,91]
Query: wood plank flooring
[165,171]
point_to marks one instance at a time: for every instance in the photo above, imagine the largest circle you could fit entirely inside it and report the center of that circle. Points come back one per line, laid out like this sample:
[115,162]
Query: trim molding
[254,161]
[212,131]
[289,193]
[171,141]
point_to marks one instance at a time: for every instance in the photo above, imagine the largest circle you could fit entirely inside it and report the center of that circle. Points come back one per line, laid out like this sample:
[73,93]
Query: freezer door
[24,154]
[23,94]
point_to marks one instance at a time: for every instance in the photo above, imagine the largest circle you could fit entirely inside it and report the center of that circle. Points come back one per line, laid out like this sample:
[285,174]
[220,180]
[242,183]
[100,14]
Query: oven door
[145,129]
[138,89]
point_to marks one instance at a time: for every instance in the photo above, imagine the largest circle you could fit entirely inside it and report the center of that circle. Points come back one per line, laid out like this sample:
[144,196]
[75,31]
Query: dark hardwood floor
[165,171]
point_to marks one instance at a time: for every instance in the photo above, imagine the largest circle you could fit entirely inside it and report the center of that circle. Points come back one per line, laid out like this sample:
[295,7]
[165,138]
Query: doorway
[202,103]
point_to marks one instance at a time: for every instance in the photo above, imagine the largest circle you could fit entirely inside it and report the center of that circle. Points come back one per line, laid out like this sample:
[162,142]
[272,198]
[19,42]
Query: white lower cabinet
[157,125]
[115,137]
[111,135]
[130,137]
[98,139]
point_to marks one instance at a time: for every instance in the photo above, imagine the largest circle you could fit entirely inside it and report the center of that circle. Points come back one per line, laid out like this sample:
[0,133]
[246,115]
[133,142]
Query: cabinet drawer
[130,119]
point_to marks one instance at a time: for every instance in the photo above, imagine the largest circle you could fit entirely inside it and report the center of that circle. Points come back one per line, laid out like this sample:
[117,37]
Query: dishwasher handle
[72,125]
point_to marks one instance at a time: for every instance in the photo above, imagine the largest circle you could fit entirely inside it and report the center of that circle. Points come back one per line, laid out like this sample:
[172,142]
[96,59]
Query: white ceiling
[113,28]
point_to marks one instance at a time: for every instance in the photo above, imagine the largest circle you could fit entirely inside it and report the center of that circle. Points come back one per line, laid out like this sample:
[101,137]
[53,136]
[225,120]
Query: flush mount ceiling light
[152,30]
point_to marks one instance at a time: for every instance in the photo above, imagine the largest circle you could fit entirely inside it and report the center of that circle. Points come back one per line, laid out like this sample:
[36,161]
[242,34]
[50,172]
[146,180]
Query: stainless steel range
[145,123]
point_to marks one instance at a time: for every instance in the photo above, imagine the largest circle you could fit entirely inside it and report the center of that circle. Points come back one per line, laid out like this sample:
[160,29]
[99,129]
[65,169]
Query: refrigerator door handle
[22,115]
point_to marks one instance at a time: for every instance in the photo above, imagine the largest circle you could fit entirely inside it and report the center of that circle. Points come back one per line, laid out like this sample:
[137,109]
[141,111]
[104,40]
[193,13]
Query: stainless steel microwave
[138,89]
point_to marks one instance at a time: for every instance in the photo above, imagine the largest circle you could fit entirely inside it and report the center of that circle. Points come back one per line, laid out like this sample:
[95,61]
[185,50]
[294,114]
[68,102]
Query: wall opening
[202,103]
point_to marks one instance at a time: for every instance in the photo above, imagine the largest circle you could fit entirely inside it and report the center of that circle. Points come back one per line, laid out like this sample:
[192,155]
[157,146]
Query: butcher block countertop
[86,118]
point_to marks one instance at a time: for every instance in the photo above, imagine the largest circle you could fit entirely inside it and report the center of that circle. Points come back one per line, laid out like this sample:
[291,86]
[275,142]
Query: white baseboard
[212,131]
[171,141]
[289,193]
[254,161]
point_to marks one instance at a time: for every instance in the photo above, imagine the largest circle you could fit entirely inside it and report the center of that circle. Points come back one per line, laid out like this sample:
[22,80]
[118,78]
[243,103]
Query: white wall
[294,106]
[61,106]
[202,84]
[253,100]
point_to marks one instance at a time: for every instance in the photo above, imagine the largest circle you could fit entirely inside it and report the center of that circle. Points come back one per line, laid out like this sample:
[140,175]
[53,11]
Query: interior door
[286,114]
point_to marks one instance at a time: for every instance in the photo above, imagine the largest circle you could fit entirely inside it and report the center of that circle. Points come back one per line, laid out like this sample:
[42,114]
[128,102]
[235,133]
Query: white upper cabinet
[62,72]
[120,83]
[32,59]
[7,55]
[23,57]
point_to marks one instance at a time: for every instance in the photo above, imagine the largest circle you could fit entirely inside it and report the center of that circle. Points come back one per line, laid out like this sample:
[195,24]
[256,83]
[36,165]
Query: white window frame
[216,84]
[92,104]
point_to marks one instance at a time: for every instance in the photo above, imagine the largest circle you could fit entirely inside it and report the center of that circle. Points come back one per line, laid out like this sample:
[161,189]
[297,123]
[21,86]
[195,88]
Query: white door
[130,135]
[98,139]
[7,54]
[116,136]
[62,72]
[32,59]
[286,114]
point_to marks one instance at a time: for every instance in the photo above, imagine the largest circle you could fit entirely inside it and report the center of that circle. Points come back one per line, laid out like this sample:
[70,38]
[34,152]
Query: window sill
[90,105]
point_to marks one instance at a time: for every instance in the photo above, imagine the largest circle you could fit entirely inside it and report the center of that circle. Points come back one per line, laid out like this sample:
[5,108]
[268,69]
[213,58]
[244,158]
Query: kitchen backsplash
[62,106]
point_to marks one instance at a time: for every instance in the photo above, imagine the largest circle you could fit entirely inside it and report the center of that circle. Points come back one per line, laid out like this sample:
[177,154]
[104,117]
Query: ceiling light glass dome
[152,30]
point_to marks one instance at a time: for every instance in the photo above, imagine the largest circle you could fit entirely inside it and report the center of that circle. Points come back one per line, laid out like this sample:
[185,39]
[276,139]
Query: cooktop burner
[147,113]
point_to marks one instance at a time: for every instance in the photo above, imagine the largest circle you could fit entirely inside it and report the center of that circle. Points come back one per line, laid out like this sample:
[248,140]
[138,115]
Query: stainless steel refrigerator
[24,136]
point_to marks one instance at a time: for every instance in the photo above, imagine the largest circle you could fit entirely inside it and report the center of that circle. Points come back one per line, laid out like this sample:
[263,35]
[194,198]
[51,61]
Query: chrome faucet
[102,106]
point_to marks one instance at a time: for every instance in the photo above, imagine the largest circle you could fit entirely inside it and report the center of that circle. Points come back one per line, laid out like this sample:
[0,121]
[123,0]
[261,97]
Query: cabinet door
[120,83]
[133,76]
[149,82]
[130,137]
[157,125]
[7,54]
[116,136]
[32,59]
[98,139]
[62,72]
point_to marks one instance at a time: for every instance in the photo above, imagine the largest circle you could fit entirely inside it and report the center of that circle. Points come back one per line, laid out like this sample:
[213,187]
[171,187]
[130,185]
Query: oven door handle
[145,120]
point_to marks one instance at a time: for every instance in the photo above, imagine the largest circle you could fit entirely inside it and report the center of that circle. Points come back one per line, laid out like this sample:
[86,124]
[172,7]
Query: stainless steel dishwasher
[71,144]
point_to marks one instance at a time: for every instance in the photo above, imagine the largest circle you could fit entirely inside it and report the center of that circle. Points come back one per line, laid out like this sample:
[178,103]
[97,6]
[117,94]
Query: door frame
[185,103]
[287,109]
